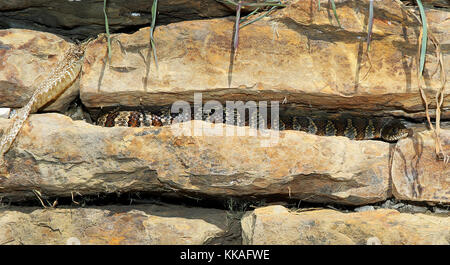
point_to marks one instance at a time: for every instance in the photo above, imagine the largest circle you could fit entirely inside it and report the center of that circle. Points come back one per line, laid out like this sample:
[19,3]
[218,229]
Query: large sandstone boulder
[417,173]
[113,225]
[278,225]
[26,58]
[297,55]
[59,157]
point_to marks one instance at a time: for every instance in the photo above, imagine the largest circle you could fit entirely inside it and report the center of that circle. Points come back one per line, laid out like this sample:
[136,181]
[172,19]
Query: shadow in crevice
[147,61]
[412,175]
[311,12]
[232,57]
[102,71]
[406,65]
[360,57]
[392,149]
[418,148]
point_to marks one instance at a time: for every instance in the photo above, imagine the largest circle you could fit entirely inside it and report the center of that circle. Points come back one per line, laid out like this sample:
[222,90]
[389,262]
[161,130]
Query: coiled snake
[66,72]
[357,128]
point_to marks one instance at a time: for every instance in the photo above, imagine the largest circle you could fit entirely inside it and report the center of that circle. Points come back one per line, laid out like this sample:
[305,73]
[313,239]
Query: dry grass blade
[107,30]
[440,93]
[439,99]
[39,196]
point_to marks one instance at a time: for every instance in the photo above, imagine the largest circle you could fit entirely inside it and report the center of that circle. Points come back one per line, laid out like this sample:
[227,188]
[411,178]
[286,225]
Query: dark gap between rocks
[235,205]
[122,19]
[77,111]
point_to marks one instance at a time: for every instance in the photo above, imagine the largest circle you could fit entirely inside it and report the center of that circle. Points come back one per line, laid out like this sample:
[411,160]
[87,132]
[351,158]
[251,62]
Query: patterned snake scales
[357,128]
[62,76]
[67,71]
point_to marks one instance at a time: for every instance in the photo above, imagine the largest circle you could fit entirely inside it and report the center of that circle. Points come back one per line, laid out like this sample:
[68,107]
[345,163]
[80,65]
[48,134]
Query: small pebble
[4,113]
[440,210]
[365,208]
[373,241]
[413,209]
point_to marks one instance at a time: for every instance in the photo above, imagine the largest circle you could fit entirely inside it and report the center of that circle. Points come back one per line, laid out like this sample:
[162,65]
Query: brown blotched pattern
[133,119]
[355,128]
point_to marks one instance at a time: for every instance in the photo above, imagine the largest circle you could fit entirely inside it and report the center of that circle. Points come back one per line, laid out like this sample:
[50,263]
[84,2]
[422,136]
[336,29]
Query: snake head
[76,52]
[394,130]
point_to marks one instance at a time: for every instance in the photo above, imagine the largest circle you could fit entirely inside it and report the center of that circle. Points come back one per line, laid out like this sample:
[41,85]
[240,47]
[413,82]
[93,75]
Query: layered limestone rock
[81,19]
[417,173]
[59,157]
[278,225]
[113,225]
[297,55]
[26,58]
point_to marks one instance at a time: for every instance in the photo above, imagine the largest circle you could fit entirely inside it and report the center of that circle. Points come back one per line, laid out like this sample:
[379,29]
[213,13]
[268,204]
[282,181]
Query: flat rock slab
[26,58]
[59,156]
[278,225]
[112,225]
[85,18]
[297,55]
[417,174]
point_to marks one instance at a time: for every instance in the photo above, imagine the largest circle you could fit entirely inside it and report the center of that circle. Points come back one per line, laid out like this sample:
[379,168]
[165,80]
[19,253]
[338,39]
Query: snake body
[356,128]
[62,76]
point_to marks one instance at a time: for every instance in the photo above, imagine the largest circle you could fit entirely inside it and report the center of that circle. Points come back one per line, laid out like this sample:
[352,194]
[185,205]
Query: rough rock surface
[439,23]
[278,225]
[297,54]
[26,59]
[113,225]
[417,174]
[59,156]
[81,19]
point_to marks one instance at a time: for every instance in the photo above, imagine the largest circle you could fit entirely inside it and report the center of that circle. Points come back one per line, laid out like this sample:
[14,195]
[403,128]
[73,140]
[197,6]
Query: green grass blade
[264,4]
[249,15]
[107,30]
[369,27]
[335,13]
[319,6]
[423,49]
[152,29]
[227,2]
[258,18]
[275,3]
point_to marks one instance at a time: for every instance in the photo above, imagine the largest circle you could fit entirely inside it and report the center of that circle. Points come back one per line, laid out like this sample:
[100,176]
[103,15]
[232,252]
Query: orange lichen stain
[328,90]
[116,240]
[382,21]
[259,86]
[178,142]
